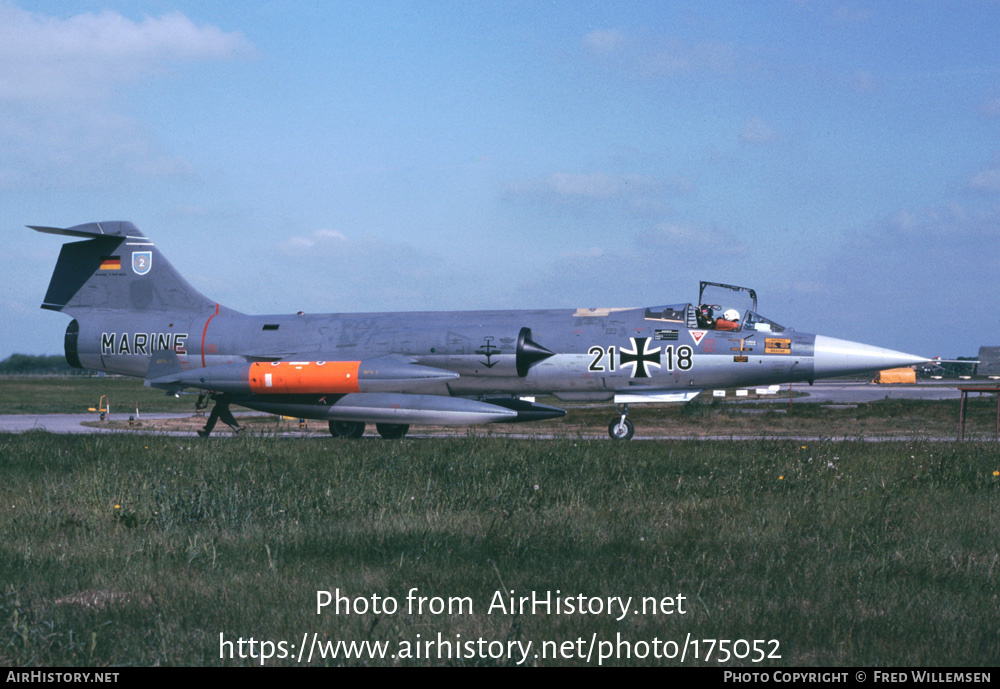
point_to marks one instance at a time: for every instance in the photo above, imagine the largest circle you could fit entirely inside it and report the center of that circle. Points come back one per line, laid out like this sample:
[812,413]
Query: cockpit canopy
[678,313]
[742,298]
[754,321]
[715,301]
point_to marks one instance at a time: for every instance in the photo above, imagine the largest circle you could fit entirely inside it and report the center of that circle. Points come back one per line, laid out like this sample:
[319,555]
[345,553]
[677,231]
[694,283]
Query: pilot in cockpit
[730,320]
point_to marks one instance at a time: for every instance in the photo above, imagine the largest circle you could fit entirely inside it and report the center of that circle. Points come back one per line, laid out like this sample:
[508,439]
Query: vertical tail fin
[116,268]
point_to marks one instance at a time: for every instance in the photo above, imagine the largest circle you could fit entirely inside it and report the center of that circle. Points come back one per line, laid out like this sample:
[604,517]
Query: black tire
[347,429]
[619,430]
[392,431]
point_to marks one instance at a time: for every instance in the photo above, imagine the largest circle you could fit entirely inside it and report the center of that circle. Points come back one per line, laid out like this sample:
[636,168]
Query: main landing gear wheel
[392,431]
[347,429]
[621,429]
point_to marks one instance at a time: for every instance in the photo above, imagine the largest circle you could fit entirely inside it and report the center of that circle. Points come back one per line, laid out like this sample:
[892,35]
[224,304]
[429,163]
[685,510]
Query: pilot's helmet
[731,315]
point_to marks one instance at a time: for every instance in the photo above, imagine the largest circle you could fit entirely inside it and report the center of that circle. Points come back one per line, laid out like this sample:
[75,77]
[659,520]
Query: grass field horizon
[707,416]
[141,550]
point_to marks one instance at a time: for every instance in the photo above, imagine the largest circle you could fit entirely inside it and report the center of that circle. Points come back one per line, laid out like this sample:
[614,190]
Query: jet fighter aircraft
[133,314]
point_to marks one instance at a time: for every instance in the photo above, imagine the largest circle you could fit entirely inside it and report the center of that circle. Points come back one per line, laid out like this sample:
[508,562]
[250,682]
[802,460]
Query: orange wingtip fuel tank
[304,377]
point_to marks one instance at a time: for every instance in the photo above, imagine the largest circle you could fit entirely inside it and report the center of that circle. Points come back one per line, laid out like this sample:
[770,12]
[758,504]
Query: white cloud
[757,132]
[80,147]
[674,56]
[990,107]
[651,55]
[349,273]
[62,86]
[659,265]
[987,180]
[850,14]
[899,271]
[604,42]
[577,254]
[318,239]
[677,236]
[595,185]
[640,195]
[864,82]
[46,59]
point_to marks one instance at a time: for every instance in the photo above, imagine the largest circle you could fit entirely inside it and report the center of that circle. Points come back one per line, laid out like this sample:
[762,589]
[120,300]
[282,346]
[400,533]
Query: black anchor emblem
[489,351]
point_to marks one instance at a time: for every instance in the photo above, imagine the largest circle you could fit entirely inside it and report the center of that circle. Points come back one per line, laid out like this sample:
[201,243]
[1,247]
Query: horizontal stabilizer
[114,228]
[164,362]
[164,371]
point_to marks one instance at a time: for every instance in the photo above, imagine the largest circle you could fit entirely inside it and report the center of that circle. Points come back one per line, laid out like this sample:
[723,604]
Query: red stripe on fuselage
[205,332]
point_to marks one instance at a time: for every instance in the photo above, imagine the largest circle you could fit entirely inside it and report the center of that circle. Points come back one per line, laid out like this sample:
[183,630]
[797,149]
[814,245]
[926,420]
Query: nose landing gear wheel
[392,431]
[621,429]
[347,429]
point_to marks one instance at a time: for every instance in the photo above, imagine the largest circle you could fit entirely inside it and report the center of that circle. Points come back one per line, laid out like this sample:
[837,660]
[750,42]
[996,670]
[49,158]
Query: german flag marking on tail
[111,263]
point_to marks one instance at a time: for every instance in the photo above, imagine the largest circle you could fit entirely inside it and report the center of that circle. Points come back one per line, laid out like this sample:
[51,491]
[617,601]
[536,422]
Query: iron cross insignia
[640,356]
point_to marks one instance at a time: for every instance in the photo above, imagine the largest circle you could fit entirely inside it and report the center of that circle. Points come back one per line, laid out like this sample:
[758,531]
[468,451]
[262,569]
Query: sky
[841,158]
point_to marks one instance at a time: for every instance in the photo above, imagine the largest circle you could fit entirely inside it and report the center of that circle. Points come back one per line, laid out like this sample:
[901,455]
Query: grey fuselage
[597,352]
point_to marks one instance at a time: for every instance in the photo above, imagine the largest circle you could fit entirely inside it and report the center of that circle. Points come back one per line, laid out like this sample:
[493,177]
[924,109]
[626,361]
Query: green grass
[141,550]
[75,394]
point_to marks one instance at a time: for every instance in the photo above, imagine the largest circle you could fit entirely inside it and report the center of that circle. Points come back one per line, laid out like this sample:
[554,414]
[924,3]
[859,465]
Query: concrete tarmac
[839,392]
[67,423]
[827,392]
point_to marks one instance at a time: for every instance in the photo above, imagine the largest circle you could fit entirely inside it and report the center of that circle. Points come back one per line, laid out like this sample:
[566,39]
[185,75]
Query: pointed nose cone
[835,357]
